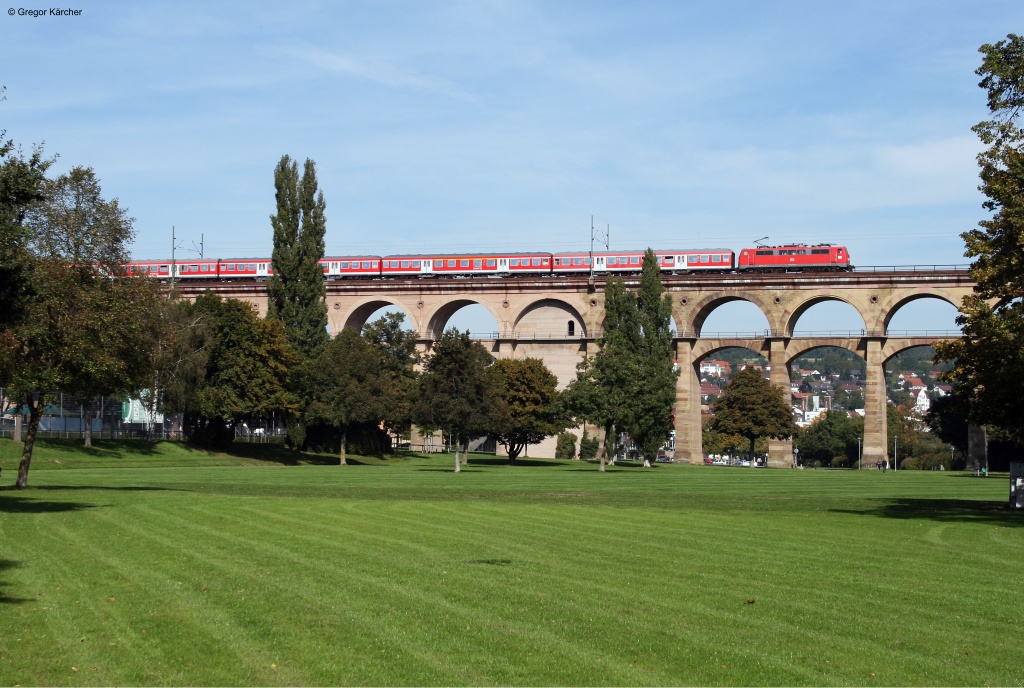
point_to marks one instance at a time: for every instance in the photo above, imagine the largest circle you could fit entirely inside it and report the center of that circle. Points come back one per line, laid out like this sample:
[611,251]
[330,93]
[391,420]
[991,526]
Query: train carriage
[669,260]
[351,266]
[456,264]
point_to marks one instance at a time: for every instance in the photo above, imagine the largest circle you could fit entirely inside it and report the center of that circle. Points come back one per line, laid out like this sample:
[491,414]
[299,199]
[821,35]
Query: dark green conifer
[296,290]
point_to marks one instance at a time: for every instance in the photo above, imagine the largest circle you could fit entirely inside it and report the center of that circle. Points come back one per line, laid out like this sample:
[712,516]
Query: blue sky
[477,125]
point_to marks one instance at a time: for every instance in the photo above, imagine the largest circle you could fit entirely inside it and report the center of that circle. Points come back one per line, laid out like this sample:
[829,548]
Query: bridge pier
[875,404]
[780,452]
[689,447]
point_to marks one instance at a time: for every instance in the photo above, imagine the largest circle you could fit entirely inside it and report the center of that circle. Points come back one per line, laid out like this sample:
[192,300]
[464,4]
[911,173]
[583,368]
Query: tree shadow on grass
[114,449]
[943,510]
[21,504]
[108,488]
[6,564]
[501,461]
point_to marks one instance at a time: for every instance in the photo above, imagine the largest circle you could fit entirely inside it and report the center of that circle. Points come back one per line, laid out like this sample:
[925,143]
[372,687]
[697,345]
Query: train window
[405,263]
[545,261]
[366,265]
[204,268]
[514,262]
[163,268]
[415,263]
[252,267]
[463,263]
[536,261]
[763,253]
[194,268]
[577,261]
[634,260]
[586,261]
[819,251]
[324,266]
[373,264]
[705,259]
[490,262]
[692,259]
[231,267]
[558,261]
[476,263]
[344,265]
[611,260]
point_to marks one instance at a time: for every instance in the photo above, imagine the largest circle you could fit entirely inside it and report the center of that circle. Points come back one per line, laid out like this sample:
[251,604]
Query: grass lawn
[166,566]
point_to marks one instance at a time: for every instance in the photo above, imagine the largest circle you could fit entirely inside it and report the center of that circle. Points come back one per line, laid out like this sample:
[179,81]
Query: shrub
[588,446]
[566,447]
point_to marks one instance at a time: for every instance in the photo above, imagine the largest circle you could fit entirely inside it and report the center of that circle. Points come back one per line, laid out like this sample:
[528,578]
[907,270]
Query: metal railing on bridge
[747,334]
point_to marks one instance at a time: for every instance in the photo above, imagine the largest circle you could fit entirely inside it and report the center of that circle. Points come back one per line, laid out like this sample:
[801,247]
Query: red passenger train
[790,257]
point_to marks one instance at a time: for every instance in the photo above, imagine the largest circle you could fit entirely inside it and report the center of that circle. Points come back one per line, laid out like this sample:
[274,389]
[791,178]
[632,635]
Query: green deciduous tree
[831,440]
[457,390]
[22,180]
[353,386]
[528,408]
[81,315]
[753,407]
[989,360]
[240,375]
[400,356]
[296,290]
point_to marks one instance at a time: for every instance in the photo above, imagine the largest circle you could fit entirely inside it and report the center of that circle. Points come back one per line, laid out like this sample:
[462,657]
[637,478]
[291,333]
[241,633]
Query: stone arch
[364,308]
[893,304]
[438,319]
[799,347]
[790,319]
[561,312]
[703,307]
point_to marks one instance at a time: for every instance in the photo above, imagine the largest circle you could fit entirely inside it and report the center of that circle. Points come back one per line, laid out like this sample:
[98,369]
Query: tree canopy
[77,329]
[296,290]
[353,386]
[753,407]
[629,385]
[457,389]
[989,359]
[241,374]
[529,408]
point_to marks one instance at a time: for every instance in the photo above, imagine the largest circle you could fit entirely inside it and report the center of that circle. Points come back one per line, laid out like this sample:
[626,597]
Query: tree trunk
[647,462]
[87,419]
[513,452]
[17,425]
[458,466]
[34,416]
[465,452]
[609,431]
[751,456]
[341,452]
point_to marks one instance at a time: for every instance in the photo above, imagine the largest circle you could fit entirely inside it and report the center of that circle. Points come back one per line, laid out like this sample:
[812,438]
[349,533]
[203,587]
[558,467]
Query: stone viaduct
[559,319]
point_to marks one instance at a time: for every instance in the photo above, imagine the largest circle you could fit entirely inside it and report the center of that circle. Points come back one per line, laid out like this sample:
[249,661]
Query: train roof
[657,250]
[468,255]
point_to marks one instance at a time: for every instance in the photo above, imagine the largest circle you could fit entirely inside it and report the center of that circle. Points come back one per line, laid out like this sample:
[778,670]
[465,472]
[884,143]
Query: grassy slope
[208,569]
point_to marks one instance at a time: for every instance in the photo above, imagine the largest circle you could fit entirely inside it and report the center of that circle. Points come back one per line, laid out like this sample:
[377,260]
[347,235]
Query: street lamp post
[796,457]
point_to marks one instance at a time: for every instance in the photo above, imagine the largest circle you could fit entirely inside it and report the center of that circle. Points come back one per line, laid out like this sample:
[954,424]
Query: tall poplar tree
[650,423]
[630,383]
[296,290]
[989,359]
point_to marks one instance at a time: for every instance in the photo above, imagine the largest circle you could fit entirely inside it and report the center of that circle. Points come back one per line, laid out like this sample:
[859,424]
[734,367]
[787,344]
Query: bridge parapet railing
[912,268]
[687,334]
